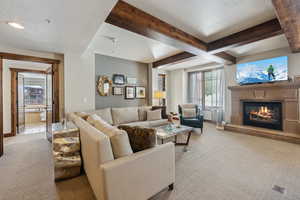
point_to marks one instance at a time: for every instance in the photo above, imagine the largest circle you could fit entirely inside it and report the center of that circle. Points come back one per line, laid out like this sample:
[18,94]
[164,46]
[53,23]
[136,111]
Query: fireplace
[263,114]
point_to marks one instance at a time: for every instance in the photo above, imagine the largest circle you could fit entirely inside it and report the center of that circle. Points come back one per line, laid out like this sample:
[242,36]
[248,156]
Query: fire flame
[264,109]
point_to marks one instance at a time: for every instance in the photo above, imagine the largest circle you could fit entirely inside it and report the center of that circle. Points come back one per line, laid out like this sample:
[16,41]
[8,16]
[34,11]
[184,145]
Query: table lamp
[160,95]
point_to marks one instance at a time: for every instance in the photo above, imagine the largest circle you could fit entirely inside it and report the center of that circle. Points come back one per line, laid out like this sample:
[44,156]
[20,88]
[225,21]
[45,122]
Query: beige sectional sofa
[138,176]
[132,116]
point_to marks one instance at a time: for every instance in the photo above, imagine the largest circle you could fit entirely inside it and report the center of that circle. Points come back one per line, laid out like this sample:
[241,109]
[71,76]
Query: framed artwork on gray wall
[129,92]
[118,79]
[140,92]
[118,91]
[131,80]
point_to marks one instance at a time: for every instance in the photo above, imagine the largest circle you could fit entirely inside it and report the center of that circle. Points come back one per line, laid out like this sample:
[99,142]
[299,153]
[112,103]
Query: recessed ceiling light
[15,25]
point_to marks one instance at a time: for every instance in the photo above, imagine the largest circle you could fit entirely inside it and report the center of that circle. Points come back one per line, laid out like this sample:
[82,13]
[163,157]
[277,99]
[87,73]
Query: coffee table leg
[185,148]
[188,139]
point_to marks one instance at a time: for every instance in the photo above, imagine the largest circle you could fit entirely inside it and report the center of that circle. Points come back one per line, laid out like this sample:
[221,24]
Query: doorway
[52,107]
[31,102]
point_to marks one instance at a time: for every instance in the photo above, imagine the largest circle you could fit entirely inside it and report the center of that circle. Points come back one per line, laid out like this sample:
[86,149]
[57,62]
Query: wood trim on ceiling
[262,31]
[11,56]
[173,59]
[288,13]
[135,20]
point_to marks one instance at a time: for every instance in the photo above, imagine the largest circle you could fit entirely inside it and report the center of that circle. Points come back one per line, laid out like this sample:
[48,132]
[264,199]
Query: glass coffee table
[172,130]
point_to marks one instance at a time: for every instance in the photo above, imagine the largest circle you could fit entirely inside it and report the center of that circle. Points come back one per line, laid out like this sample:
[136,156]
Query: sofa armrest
[140,175]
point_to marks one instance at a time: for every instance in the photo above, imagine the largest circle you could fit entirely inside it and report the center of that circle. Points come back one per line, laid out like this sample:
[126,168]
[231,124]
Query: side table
[66,150]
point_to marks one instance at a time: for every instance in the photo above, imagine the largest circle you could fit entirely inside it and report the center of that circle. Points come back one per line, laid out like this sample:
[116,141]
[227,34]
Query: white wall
[177,89]
[230,71]
[79,82]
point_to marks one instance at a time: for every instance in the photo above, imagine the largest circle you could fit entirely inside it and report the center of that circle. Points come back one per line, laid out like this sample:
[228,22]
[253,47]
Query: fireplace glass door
[263,114]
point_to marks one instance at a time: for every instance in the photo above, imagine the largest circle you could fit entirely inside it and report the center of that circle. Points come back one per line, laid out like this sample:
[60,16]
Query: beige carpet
[219,166]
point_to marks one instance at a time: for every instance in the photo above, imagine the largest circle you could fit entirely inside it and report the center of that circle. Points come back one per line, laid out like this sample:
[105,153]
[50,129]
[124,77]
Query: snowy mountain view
[261,71]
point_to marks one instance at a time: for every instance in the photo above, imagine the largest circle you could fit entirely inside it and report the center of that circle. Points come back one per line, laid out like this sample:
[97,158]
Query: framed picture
[104,86]
[131,80]
[118,91]
[129,92]
[118,79]
[140,92]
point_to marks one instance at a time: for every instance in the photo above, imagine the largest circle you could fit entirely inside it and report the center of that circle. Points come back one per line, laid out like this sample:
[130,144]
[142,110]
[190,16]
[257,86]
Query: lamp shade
[159,95]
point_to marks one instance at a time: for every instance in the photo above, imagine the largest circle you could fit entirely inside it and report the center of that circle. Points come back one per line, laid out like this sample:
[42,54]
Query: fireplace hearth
[263,114]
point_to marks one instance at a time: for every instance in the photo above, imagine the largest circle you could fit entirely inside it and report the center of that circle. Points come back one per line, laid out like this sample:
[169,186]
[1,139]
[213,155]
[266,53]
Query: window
[206,88]
[161,85]
[161,82]
[195,88]
[34,91]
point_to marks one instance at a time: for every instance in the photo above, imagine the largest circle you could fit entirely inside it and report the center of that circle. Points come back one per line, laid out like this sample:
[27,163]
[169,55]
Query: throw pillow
[120,145]
[105,114]
[189,113]
[143,112]
[140,138]
[83,115]
[153,115]
[103,126]
[118,138]
[125,115]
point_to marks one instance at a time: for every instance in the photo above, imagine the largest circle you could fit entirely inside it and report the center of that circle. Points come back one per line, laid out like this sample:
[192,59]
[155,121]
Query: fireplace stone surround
[287,93]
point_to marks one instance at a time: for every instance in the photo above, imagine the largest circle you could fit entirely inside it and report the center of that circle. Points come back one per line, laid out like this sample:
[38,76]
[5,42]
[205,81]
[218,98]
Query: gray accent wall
[106,65]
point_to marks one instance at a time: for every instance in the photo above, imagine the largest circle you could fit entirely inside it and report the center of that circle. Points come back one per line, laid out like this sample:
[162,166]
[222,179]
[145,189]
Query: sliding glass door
[206,88]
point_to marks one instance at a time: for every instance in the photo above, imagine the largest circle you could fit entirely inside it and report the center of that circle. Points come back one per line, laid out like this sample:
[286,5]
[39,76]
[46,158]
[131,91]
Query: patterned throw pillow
[140,138]
[189,113]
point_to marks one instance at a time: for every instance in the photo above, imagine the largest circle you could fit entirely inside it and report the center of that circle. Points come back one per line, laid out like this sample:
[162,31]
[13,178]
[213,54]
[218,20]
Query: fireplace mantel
[286,92]
[283,84]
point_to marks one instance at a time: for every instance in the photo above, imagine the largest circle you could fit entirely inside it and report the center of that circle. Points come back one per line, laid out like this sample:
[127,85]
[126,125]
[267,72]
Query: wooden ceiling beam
[218,47]
[259,32]
[288,13]
[135,20]
[186,55]
[172,59]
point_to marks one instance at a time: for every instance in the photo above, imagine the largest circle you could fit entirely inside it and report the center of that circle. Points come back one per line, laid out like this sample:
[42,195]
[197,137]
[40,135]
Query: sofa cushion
[188,106]
[104,114]
[140,138]
[120,145]
[124,115]
[189,112]
[157,123]
[153,115]
[103,126]
[139,123]
[143,112]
